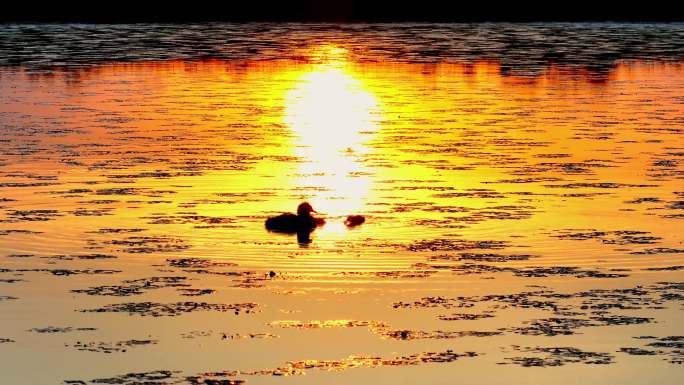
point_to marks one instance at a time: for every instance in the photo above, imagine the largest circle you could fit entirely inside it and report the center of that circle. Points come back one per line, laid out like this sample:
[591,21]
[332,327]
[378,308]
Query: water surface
[523,199]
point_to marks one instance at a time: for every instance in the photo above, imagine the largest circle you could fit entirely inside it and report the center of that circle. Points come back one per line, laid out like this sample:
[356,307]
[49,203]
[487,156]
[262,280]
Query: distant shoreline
[344,11]
[524,49]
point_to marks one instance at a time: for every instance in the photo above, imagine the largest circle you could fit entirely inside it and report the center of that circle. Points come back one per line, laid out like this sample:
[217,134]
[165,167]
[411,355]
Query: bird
[354,220]
[295,223]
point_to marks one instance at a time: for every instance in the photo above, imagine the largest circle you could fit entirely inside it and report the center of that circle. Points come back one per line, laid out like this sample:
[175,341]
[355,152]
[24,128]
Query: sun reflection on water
[332,115]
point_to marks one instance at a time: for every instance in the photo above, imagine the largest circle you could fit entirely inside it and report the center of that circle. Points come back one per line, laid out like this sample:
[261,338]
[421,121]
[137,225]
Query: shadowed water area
[522,187]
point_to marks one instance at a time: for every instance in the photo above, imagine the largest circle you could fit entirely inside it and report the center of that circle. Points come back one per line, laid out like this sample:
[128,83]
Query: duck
[303,221]
[354,220]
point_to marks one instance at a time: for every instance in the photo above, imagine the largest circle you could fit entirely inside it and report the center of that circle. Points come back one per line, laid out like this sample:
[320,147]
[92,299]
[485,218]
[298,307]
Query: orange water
[195,155]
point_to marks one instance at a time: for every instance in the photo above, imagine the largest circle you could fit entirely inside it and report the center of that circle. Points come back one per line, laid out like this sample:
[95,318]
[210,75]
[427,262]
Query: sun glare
[332,116]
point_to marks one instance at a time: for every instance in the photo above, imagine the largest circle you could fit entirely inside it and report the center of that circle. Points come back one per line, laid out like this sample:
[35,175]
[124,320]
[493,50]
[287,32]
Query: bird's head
[305,209]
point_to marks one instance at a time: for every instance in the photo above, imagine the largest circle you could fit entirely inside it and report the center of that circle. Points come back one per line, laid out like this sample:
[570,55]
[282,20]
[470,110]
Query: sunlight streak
[332,116]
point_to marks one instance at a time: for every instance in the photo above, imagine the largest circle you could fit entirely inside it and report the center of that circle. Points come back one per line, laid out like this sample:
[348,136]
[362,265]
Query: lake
[522,187]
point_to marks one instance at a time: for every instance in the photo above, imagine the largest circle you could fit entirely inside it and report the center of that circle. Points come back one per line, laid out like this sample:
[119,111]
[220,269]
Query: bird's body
[294,223]
[354,220]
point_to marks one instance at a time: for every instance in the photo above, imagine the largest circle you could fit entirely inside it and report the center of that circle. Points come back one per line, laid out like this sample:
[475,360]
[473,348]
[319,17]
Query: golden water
[159,160]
